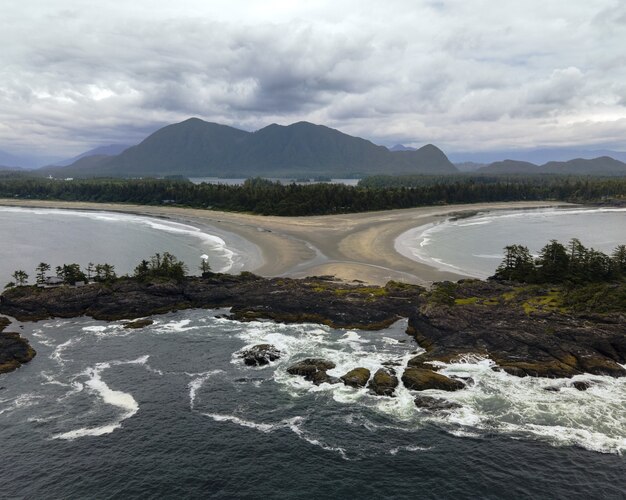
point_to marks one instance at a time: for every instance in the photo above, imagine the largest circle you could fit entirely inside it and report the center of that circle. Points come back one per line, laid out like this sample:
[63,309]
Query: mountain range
[579,166]
[196,148]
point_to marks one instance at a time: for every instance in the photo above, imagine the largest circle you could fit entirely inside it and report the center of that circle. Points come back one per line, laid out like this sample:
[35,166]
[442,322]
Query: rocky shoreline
[14,349]
[526,332]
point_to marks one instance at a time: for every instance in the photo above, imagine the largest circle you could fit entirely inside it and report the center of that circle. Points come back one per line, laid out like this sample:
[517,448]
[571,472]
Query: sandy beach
[349,246]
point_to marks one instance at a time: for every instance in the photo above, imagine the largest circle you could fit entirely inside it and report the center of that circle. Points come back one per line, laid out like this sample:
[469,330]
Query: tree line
[558,263]
[159,266]
[261,196]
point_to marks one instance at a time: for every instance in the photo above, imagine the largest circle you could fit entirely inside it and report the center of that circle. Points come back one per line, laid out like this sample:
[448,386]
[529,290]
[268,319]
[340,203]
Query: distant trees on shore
[67,274]
[265,197]
[159,266]
[559,263]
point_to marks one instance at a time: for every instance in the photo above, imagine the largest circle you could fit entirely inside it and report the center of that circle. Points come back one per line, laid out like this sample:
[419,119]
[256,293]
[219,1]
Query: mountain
[110,150]
[469,166]
[9,161]
[401,147]
[536,156]
[196,148]
[579,166]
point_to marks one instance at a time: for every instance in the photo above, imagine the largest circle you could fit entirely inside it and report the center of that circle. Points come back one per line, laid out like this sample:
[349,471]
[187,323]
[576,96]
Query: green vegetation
[265,197]
[557,264]
[163,265]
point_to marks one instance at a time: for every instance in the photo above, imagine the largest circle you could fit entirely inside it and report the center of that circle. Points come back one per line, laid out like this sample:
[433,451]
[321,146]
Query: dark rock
[540,343]
[260,355]
[582,385]
[314,370]
[140,323]
[357,377]
[552,388]
[435,404]
[420,379]
[384,382]
[14,351]
[392,363]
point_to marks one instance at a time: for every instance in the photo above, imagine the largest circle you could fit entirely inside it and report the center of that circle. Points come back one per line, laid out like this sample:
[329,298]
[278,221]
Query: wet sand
[349,246]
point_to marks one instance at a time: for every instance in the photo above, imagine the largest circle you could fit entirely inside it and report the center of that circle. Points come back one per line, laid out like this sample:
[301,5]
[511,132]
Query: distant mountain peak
[197,148]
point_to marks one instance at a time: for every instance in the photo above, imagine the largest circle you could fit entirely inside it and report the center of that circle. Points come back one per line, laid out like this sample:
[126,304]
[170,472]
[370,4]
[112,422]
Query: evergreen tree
[553,262]
[20,277]
[42,269]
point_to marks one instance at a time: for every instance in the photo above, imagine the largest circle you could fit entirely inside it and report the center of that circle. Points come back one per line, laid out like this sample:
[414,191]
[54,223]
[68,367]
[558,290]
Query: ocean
[473,246]
[172,411]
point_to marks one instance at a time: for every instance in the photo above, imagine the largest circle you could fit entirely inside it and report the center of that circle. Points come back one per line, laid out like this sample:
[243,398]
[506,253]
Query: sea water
[30,236]
[172,410]
[473,246]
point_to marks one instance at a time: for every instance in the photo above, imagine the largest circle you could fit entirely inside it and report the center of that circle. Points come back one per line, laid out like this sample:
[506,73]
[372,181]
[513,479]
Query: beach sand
[349,246]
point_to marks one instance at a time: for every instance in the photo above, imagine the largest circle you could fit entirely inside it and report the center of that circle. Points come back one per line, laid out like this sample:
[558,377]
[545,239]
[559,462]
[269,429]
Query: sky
[466,75]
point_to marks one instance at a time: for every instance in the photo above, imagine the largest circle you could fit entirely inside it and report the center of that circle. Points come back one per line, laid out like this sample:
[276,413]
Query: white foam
[58,351]
[594,419]
[197,383]
[118,399]
[21,401]
[176,326]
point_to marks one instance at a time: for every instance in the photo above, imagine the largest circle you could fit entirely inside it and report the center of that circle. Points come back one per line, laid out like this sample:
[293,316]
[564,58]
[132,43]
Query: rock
[420,379]
[582,385]
[435,404]
[384,382]
[260,355]
[139,323]
[314,370]
[357,377]
[552,388]
[14,351]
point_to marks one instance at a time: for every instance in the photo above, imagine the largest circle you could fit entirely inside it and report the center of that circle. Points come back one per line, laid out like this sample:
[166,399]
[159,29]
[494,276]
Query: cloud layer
[467,76]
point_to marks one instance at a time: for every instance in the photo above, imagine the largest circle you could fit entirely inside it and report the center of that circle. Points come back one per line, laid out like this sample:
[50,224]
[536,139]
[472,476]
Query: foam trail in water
[197,383]
[122,400]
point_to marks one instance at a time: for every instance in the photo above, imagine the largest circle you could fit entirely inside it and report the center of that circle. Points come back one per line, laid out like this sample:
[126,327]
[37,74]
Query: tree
[20,277]
[163,265]
[42,269]
[553,262]
[90,270]
[517,265]
[618,259]
[108,272]
[71,273]
[205,267]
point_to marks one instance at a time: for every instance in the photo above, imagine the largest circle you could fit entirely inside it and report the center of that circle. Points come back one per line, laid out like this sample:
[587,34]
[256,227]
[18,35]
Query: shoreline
[352,247]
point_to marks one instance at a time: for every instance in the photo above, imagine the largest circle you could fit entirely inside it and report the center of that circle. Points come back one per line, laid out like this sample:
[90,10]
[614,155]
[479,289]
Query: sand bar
[349,246]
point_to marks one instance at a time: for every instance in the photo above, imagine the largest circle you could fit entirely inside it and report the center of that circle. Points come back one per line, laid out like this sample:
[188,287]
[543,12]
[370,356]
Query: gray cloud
[464,75]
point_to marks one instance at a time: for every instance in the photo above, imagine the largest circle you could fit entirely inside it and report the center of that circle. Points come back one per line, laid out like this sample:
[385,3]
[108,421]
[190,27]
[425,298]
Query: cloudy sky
[467,75]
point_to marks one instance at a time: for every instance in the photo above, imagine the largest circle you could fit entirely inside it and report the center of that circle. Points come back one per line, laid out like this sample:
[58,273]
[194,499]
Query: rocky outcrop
[139,323]
[14,350]
[384,382]
[420,379]
[250,298]
[314,370]
[430,404]
[524,340]
[357,377]
[260,355]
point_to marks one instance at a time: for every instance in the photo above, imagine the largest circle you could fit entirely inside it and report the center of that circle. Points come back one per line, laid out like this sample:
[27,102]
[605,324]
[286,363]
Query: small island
[559,315]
